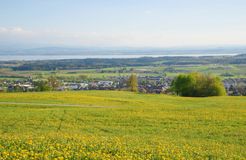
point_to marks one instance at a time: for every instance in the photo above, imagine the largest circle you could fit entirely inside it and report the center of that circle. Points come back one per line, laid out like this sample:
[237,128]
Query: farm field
[224,71]
[120,125]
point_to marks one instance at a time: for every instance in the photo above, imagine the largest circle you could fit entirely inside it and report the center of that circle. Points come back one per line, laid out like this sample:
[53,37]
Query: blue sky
[132,23]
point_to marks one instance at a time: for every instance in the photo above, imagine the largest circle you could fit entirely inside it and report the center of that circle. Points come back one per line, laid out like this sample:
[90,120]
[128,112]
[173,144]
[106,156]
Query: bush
[42,86]
[198,85]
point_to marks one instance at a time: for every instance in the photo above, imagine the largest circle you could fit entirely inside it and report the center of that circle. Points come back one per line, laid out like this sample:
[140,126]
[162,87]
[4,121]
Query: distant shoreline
[107,56]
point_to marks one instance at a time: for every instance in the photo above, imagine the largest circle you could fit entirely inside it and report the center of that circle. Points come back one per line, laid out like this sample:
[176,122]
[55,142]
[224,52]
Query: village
[146,84]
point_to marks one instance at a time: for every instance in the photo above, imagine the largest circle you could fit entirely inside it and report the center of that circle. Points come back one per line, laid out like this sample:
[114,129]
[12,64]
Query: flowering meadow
[120,125]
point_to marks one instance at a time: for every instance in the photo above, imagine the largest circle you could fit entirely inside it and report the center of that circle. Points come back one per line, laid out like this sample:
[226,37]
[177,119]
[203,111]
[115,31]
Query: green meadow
[120,125]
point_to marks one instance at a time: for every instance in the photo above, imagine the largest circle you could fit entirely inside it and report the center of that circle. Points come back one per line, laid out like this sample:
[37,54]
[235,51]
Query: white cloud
[2,29]
[15,31]
[133,39]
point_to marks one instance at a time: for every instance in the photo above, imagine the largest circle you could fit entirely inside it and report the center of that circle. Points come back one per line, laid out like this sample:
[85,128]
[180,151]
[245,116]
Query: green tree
[133,83]
[42,86]
[198,85]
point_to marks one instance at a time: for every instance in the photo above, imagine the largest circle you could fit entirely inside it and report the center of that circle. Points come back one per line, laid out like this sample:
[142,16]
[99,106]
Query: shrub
[42,86]
[198,85]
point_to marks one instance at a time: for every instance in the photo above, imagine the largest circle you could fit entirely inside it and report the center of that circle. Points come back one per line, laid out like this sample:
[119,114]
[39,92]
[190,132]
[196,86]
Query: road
[53,105]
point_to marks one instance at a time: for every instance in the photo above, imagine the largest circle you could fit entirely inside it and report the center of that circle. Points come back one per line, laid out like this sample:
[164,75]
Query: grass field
[120,125]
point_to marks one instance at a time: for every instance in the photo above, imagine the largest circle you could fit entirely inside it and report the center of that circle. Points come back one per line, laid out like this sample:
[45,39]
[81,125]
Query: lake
[26,57]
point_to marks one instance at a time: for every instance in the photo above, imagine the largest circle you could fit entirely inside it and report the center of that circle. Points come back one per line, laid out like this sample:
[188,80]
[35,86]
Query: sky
[123,23]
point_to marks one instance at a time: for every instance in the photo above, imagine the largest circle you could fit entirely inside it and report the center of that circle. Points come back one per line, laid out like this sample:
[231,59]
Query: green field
[235,71]
[120,125]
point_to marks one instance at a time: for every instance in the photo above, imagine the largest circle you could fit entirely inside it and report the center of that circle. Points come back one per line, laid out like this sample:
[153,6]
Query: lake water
[57,57]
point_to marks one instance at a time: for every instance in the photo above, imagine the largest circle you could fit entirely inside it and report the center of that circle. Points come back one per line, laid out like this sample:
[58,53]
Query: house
[26,87]
[105,83]
[84,86]
[72,86]
[93,85]
[235,86]
[20,87]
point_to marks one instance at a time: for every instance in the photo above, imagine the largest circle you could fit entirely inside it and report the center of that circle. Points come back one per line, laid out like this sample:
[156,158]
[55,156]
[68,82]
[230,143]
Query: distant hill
[119,62]
[116,51]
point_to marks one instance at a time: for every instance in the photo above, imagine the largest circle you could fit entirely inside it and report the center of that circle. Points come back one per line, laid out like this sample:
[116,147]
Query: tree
[53,83]
[133,83]
[198,85]
[42,86]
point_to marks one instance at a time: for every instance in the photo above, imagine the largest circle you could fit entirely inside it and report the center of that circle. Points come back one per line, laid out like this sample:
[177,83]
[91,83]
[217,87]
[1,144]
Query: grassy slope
[144,126]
